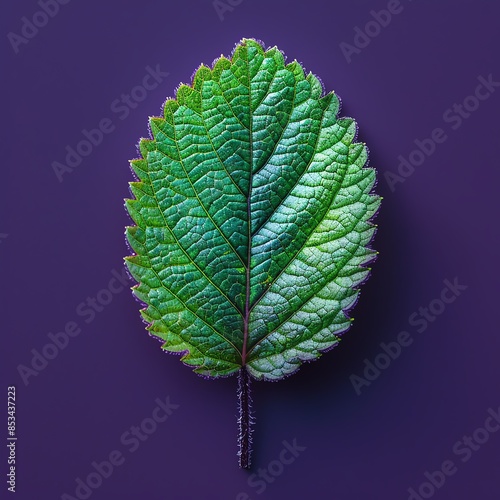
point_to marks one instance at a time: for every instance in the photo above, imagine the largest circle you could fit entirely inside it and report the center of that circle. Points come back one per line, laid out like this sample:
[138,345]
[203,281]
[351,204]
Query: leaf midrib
[246,318]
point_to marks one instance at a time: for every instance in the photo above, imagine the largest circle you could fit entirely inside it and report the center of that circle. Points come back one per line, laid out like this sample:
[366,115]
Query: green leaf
[252,215]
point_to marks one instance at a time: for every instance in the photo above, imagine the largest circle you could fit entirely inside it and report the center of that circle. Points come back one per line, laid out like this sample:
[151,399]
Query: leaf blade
[254,212]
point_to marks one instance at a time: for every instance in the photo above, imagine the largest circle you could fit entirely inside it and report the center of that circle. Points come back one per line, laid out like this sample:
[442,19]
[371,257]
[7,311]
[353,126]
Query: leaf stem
[245,419]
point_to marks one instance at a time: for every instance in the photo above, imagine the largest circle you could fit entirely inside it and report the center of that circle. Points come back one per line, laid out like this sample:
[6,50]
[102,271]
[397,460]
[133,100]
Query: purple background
[65,238]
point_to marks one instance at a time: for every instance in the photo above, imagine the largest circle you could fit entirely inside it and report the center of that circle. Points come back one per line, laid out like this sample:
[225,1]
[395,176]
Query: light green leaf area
[253,212]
